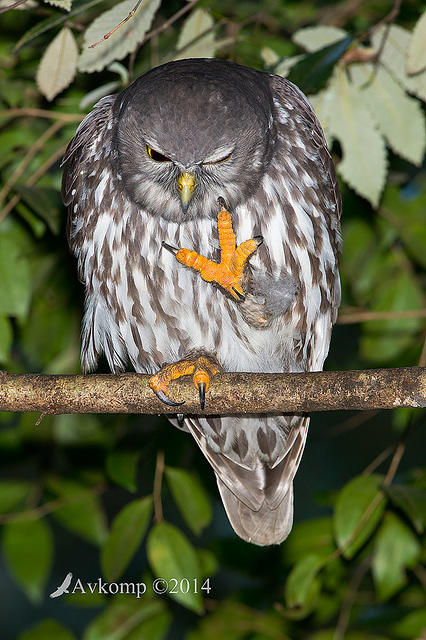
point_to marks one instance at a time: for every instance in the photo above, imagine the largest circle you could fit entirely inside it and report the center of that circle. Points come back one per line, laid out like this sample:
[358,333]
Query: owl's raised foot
[228,273]
[202,369]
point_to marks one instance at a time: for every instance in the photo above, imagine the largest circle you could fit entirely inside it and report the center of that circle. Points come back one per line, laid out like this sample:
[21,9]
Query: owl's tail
[263,527]
[254,459]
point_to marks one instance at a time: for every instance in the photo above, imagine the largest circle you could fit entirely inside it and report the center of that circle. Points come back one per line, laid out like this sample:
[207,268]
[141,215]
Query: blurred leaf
[12,494]
[191,498]
[58,65]
[208,563]
[53,21]
[46,203]
[128,619]
[315,38]
[28,551]
[313,71]
[86,599]
[408,216]
[62,4]
[15,273]
[398,117]
[47,630]
[351,506]
[298,587]
[395,549]
[78,429]
[284,66]
[393,56]
[198,21]
[171,555]
[123,41]
[127,531]
[412,501]
[411,626]
[100,92]
[312,536]
[382,340]
[416,60]
[6,337]
[350,122]
[82,513]
[122,466]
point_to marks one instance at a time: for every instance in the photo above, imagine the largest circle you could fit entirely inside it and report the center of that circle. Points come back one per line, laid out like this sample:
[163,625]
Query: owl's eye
[156,155]
[220,160]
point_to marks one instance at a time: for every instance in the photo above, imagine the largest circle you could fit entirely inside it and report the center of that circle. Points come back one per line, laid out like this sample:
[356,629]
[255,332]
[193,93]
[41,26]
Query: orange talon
[202,368]
[228,273]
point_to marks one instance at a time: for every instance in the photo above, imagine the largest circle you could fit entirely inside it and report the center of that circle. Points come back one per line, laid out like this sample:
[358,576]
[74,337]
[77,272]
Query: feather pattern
[138,309]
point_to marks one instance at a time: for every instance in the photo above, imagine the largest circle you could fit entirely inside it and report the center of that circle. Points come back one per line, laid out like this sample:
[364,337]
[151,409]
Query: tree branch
[230,393]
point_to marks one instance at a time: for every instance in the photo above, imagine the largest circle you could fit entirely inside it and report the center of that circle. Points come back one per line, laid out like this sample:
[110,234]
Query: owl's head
[190,131]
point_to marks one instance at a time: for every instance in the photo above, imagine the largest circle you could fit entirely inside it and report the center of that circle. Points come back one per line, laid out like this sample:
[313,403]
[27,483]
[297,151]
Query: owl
[204,214]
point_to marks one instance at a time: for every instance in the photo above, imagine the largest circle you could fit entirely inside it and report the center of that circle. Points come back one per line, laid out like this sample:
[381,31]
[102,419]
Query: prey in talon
[229,272]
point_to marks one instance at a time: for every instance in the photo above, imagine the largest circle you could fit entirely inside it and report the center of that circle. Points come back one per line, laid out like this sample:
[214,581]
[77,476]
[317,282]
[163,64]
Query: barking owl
[204,213]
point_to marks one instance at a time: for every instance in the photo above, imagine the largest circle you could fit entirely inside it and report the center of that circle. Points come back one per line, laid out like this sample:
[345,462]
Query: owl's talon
[169,247]
[240,295]
[258,239]
[180,417]
[202,392]
[164,398]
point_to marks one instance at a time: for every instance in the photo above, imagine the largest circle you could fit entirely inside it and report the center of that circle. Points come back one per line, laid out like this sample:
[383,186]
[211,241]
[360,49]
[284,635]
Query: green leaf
[62,4]
[416,59]
[121,466]
[298,587]
[350,122]
[398,117]
[125,39]
[128,529]
[47,630]
[394,56]
[82,513]
[395,549]
[384,339]
[352,527]
[410,626]
[28,550]
[125,619]
[412,501]
[6,337]
[171,555]
[315,38]
[58,64]
[313,536]
[313,71]
[12,494]
[45,202]
[191,498]
[15,273]
[208,563]
[198,21]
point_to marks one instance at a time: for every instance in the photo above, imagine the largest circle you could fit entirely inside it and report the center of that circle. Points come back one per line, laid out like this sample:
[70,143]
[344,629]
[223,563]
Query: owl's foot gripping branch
[201,369]
[229,272]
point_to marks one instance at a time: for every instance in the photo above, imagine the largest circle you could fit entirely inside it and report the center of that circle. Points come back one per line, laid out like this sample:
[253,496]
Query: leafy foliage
[71,486]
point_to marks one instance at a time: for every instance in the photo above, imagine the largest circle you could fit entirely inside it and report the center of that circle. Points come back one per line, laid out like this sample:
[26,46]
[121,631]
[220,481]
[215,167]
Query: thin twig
[32,151]
[348,602]
[169,22]
[13,6]
[117,26]
[383,455]
[158,481]
[42,113]
[49,507]
[33,179]
[370,316]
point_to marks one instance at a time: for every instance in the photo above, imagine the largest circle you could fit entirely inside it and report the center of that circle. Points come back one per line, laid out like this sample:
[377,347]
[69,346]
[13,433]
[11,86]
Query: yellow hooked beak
[186,183]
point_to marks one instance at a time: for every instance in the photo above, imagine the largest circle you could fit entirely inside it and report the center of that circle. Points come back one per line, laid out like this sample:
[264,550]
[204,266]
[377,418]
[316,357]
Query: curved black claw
[169,248]
[180,417]
[222,202]
[259,240]
[202,392]
[162,396]
[241,297]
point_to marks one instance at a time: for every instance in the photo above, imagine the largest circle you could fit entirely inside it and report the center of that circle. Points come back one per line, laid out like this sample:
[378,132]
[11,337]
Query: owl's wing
[89,186]
[254,459]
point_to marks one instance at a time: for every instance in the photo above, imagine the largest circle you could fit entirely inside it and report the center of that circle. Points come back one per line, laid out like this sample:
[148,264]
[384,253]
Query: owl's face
[183,141]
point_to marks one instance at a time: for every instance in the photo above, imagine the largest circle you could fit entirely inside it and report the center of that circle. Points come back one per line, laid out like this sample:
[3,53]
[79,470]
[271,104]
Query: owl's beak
[186,184]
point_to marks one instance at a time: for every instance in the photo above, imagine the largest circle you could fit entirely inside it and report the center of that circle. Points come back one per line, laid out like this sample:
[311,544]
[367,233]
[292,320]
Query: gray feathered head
[184,136]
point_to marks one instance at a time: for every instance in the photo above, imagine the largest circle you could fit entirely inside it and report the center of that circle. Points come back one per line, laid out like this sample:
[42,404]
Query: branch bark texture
[229,393]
